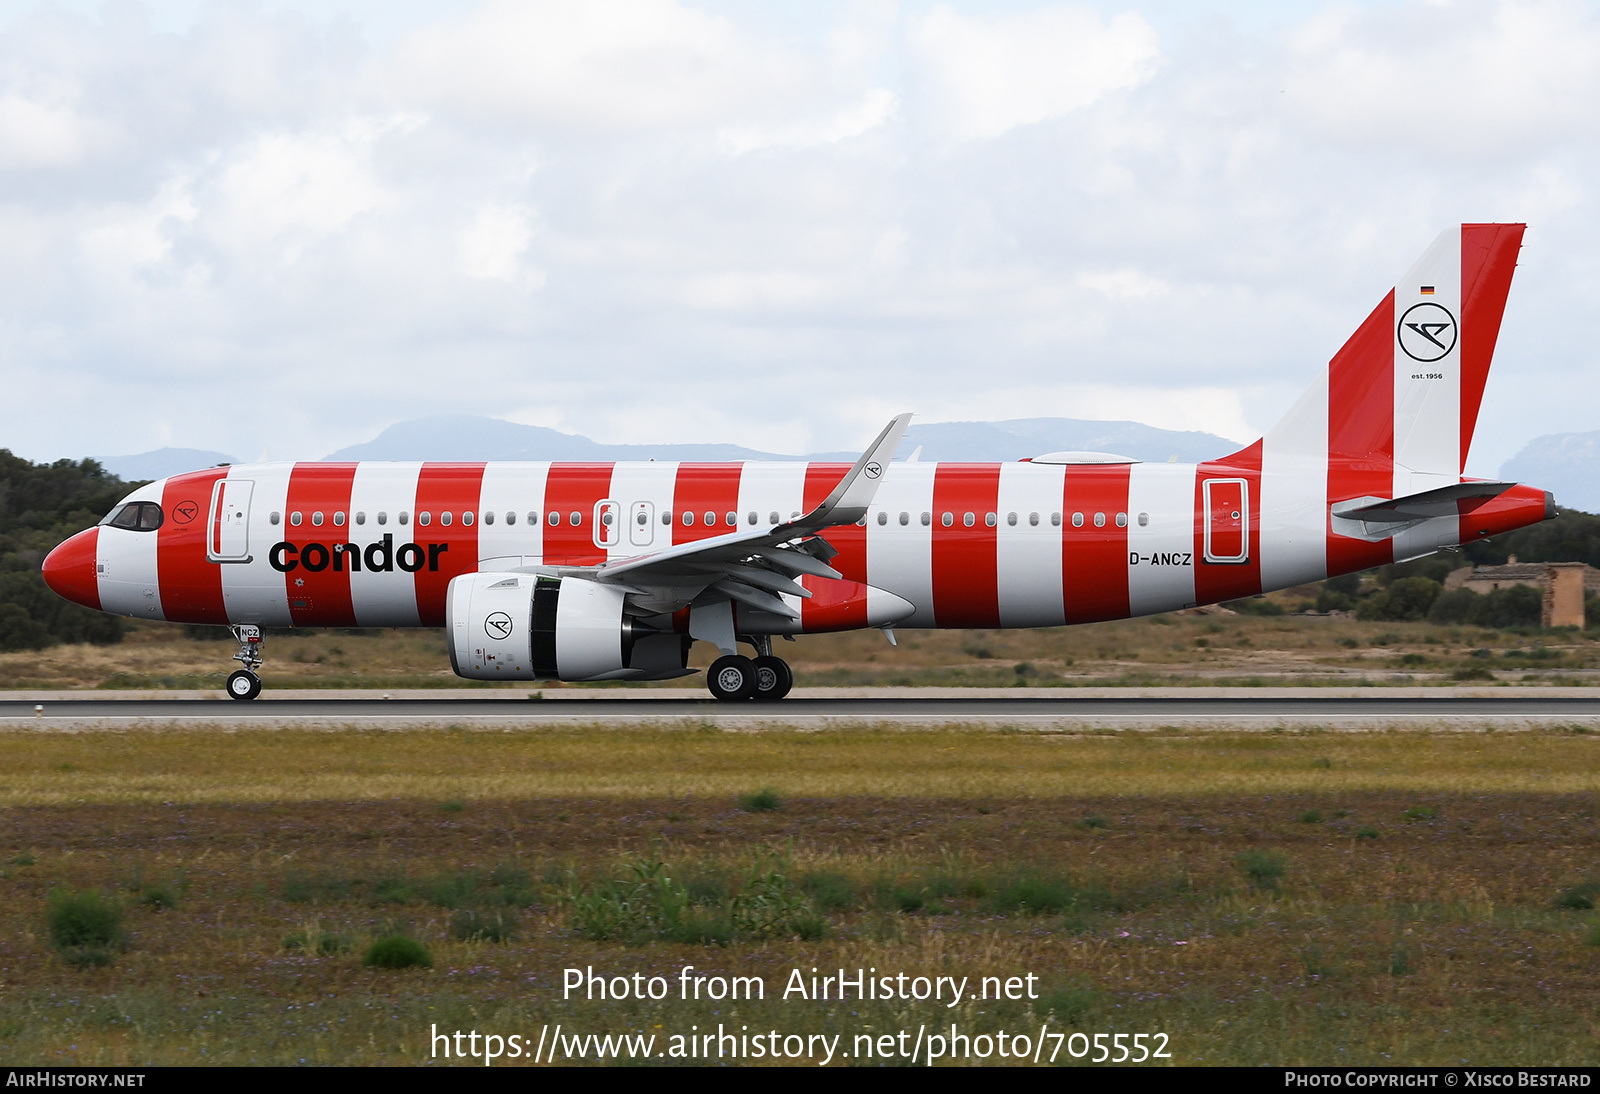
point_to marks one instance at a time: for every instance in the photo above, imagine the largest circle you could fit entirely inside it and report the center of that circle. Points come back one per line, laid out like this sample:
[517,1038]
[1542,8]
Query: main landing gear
[245,684]
[764,678]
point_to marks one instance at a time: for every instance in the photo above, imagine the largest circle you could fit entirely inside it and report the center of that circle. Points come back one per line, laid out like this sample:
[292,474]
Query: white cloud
[1463,78]
[491,247]
[606,64]
[734,215]
[985,77]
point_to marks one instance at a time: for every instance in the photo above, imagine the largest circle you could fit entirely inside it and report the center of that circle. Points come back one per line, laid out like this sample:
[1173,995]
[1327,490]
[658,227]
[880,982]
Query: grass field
[1283,898]
[1161,650]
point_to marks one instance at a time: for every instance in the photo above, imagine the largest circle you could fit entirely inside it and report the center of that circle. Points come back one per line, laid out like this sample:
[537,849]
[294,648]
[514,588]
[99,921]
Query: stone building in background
[1566,585]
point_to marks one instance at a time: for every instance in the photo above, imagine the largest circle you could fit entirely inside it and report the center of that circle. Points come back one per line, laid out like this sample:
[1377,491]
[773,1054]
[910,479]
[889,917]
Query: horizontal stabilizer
[1414,507]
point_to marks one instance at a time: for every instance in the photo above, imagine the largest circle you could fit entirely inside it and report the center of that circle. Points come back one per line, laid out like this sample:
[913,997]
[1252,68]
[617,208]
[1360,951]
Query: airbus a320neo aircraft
[588,571]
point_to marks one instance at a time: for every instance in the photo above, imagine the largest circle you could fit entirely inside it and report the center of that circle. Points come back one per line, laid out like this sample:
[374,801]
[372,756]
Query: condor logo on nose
[381,557]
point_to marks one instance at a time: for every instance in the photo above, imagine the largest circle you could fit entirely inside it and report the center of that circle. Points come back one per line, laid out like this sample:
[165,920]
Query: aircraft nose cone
[69,570]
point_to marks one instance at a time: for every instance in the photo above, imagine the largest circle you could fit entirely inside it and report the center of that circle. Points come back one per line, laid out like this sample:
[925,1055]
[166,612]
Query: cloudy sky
[278,227]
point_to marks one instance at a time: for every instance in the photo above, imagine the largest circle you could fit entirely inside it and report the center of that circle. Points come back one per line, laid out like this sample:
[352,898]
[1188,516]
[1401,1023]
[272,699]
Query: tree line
[42,504]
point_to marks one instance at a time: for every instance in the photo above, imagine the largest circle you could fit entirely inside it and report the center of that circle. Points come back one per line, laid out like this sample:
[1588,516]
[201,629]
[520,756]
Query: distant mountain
[162,462]
[1566,464]
[469,437]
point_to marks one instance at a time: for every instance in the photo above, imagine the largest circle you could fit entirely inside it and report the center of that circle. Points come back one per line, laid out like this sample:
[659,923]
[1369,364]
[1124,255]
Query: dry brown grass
[211,765]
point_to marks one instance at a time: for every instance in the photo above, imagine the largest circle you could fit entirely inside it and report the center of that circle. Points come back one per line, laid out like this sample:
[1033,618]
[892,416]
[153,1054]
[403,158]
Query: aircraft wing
[754,566]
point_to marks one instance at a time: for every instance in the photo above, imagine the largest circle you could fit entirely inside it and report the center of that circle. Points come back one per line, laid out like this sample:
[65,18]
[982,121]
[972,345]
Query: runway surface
[1037,709]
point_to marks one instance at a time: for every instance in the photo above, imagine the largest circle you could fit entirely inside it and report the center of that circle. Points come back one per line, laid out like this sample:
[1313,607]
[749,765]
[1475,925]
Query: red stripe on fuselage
[844,610]
[319,597]
[574,488]
[1361,432]
[702,489]
[189,585]
[452,549]
[1094,561]
[965,586]
[1214,581]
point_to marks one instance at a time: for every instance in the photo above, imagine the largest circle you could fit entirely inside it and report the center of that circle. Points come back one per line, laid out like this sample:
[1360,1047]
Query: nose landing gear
[245,684]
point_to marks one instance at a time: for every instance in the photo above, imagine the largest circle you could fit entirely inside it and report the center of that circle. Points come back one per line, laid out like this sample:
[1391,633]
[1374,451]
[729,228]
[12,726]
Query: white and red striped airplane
[611,571]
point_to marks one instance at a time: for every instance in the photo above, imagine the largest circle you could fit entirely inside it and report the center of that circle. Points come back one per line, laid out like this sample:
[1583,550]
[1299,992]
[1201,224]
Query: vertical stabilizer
[1394,412]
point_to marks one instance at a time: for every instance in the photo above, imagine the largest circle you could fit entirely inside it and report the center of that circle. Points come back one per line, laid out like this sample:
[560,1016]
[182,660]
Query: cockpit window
[138,516]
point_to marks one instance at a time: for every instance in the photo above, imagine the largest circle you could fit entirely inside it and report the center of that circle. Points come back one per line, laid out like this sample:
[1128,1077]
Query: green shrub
[650,903]
[85,926]
[765,800]
[1472,672]
[1310,816]
[830,891]
[1094,820]
[1041,894]
[1263,868]
[1366,832]
[1580,897]
[454,805]
[84,918]
[1592,936]
[398,952]
[1409,598]
[1420,813]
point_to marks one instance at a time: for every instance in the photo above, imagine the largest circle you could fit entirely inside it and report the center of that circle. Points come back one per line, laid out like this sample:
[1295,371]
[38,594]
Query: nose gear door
[228,534]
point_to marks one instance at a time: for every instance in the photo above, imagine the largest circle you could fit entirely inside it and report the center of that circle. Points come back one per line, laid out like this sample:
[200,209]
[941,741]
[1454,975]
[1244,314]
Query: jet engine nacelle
[526,626]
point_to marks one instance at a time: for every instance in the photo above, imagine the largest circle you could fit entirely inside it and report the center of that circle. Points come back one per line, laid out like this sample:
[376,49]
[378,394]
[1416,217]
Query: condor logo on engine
[381,557]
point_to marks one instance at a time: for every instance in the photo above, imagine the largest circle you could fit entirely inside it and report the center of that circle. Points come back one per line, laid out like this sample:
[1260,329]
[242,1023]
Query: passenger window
[555,519]
[294,518]
[445,518]
[666,516]
[731,520]
[1055,520]
[883,518]
[275,518]
[383,518]
[511,518]
[905,519]
[424,518]
[948,519]
[338,519]
[772,517]
[575,519]
[1144,520]
[361,517]
[404,516]
[711,518]
[1033,518]
[991,520]
[927,519]
[488,517]
[1122,520]
[1077,520]
[466,518]
[969,520]
[316,519]
[1099,520]
[642,518]
[1011,519]
[688,519]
